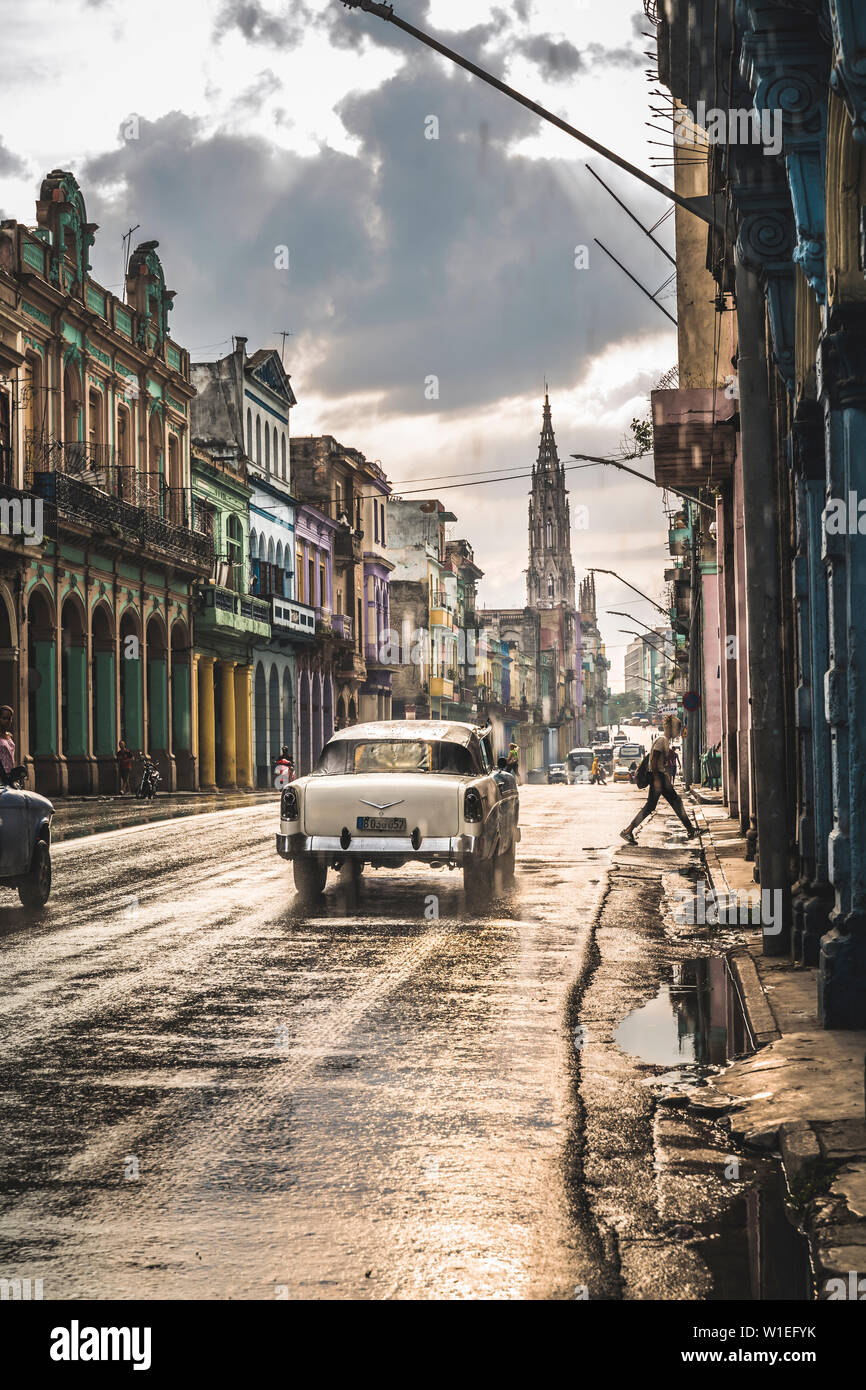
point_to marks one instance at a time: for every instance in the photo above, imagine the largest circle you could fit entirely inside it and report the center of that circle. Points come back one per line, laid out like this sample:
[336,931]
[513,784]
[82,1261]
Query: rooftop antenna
[125,242]
[283,334]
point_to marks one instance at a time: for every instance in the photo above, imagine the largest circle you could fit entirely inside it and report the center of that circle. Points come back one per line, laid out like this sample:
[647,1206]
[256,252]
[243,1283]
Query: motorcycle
[284,773]
[150,780]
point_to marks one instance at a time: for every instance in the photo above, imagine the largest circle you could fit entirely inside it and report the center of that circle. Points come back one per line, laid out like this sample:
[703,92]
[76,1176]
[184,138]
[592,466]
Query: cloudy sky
[229,130]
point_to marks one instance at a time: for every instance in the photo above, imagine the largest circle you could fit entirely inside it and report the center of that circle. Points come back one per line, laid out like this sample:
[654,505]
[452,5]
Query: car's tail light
[473,807]
[289,808]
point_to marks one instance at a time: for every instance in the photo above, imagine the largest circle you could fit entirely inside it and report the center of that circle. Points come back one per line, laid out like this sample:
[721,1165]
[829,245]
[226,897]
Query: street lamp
[708,207]
[664,611]
[623,468]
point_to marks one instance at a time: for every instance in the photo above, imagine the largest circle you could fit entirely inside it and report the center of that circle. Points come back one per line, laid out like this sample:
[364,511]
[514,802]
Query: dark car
[557,773]
[25,844]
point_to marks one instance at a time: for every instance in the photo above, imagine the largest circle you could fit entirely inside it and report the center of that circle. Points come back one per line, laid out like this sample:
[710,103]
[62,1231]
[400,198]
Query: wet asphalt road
[207,1094]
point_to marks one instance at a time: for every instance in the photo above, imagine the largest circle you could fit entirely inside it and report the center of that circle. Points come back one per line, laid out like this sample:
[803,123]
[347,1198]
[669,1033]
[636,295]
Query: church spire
[550,577]
[548,458]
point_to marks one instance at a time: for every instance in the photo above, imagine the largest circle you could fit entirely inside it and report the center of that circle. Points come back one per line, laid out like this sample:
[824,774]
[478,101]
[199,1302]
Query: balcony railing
[167,531]
[289,616]
[241,605]
[97,467]
[348,544]
[341,626]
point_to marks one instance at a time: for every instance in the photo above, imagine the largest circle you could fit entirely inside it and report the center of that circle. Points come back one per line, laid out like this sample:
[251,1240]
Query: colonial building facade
[96,611]
[779,452]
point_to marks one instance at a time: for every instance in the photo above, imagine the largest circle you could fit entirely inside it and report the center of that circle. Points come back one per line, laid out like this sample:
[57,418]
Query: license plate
[387,825]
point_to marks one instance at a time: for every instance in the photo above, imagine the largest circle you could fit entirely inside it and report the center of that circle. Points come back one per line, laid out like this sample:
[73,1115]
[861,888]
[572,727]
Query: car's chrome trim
[455,847]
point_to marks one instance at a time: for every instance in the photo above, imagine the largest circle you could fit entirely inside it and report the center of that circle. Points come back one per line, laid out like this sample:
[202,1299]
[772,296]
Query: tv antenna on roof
[283,334]
[125,242]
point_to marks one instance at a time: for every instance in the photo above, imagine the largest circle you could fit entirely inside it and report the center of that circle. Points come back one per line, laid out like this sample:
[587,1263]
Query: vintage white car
[396,792]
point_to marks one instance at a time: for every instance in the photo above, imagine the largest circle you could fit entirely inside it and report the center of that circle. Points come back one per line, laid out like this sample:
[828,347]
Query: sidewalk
[802,1091]
[75,816]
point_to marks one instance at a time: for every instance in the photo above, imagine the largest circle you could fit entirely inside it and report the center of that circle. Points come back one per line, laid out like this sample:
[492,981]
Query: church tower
[550,577]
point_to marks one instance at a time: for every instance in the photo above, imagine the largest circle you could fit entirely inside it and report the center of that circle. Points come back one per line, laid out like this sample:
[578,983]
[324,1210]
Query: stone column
[228,773]
[206,725]
[243,726]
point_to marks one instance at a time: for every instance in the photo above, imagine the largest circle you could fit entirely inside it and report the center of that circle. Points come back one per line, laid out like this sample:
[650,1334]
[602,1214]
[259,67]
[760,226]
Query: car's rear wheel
[34,887]
[504,870]
[478,883]
[350,876]
[310,878]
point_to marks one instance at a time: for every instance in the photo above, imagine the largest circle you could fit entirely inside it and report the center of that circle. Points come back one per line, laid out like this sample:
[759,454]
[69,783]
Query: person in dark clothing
[124,767]
[660,785]
[673,765]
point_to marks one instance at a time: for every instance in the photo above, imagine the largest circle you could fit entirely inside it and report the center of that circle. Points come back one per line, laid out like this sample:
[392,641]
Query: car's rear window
[394,755]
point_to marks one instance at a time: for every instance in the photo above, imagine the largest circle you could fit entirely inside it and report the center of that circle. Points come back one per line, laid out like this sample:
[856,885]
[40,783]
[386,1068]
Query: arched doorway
[42,692]
[341,713]
[316,719]
[73,694]
[274,721]
[8,643]
[353,711]
[131,702]
[263,778]
[304,722]
[104,704]
[288,714]
[158,743]
[181,704]
[327,709]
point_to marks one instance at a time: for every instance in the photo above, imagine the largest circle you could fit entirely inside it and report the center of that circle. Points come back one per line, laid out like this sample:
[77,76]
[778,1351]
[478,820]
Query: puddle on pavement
[695,1020]
[754,1251]
[695,1026]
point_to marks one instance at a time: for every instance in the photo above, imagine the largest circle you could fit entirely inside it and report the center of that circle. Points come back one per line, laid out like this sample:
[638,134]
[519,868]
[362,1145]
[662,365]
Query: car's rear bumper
[397,849]
[454,849]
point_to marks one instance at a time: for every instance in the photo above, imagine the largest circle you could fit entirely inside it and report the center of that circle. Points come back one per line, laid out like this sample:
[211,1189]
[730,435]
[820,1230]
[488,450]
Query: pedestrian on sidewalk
[673,764]
[10,771]
[660,784]
[124,767]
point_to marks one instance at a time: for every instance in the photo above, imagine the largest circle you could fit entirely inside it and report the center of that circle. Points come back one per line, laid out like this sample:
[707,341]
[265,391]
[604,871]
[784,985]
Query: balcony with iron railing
[85,486]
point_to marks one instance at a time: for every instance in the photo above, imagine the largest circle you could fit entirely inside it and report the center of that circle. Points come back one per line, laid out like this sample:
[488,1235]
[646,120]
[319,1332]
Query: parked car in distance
[393,792]
[557,773]
[578,765]
[25,844]
[626,754]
